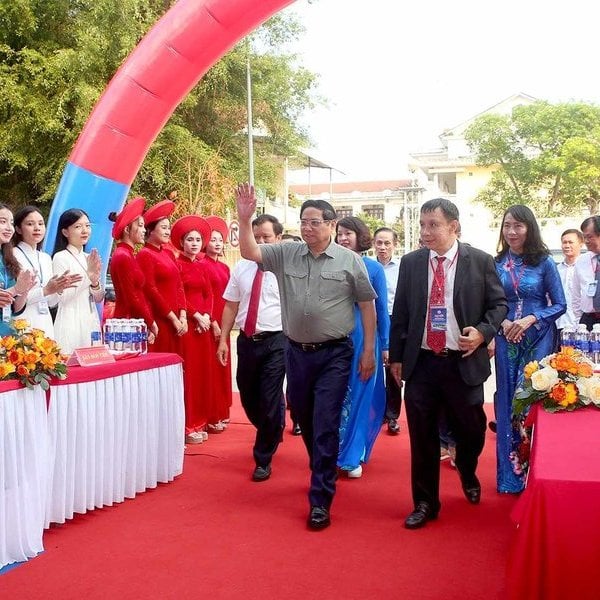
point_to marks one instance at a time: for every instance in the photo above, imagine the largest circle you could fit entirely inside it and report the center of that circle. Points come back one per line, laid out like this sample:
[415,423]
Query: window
[343,211]
[374,210]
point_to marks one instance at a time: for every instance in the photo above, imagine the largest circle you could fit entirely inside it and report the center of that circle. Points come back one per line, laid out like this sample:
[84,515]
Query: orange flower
[6,369]
[564,394]
[561,362]
[530,368]
[585,370]
[20,324]
[15,356]
[8,342]
[22,370]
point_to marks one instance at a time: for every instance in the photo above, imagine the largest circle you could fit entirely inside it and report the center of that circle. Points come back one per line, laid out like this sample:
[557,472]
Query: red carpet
[213,533]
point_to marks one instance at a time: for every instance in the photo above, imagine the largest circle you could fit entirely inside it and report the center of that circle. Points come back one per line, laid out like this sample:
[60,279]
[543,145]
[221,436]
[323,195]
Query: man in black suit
[446,311]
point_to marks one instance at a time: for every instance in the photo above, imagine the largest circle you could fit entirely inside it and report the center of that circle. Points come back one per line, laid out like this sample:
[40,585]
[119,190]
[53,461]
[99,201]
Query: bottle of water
[118,336]
[567,337]
[595,343]
[143,336]
[96,337]
[127,334]
[582,339]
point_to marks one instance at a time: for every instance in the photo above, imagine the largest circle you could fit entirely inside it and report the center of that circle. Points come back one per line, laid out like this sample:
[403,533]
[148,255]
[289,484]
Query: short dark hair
[265,218]
[595,221]
[291,236]
[70,216]
[534,249]
[573,231]
[326,209]
[389,230]
[363,235]
[449,209]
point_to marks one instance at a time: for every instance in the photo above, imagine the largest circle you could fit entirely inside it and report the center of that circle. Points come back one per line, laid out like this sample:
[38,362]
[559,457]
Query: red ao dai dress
[128,279]
[198,348]
[164,290]
[218,274]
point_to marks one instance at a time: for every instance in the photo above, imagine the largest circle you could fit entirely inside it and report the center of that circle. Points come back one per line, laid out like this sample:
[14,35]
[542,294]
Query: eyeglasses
[313,223]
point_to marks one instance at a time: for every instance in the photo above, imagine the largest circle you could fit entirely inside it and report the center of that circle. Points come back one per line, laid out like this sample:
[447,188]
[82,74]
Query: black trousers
[317,384]
[393,397]
[436,384]
[260,374]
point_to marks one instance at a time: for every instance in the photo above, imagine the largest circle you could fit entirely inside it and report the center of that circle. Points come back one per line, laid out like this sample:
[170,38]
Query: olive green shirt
[317,294]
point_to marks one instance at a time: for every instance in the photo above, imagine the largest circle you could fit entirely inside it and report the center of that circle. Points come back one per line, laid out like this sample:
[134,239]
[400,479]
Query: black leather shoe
[261,473]
[318,518]
[419,517]
[472,490]
[492,426]
[393,427]
[296,429]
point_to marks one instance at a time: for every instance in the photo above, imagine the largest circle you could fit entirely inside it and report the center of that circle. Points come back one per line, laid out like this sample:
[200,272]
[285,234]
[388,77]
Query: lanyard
[516,279]
[77,260]
[39,271]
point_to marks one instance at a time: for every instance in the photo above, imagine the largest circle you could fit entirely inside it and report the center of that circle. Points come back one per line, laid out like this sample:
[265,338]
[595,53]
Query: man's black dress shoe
[261,473]
[296,429]
[419,517]
[472,491]
[492,426]
[393,427]
[318,518]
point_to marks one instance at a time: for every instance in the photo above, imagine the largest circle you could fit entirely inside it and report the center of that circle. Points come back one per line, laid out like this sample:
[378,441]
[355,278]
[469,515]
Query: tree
[56,58]
[545,155]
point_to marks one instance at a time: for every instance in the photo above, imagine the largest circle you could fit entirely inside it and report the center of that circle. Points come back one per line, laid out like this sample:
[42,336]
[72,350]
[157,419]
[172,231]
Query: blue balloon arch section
[167,63]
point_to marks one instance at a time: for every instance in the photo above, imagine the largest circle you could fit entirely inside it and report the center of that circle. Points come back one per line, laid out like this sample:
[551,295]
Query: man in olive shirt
[319,282]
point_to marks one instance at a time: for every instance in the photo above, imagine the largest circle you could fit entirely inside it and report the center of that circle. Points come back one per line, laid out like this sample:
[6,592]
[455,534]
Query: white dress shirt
[584,273]
[239,289]
[452,329]
[391,270]
[566,272]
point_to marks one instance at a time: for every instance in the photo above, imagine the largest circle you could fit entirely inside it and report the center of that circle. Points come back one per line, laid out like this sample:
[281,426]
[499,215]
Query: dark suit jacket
[479,301]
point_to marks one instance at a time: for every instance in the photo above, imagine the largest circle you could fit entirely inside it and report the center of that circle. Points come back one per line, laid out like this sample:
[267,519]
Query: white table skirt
[23,473]
[113,438]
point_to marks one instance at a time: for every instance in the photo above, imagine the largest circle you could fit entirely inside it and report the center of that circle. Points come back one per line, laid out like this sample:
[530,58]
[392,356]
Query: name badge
[43,307]
[438,317]
[591,289]
[518,310]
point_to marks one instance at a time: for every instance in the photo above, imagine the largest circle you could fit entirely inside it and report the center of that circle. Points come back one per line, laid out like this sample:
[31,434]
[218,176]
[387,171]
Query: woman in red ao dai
[219,276]
[190,235]
[163,286]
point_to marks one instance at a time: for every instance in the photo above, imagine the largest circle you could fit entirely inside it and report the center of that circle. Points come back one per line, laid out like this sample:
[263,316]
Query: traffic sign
[234,234]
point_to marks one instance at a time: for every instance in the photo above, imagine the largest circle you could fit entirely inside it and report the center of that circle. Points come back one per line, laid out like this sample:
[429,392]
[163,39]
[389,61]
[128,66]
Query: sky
[396,74]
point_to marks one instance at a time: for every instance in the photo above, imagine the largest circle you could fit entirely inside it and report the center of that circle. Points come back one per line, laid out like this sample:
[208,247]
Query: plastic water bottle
[127,334]
[567,337]
[118,336]
[96,337]
[595,343]
[143,336]
[582,339]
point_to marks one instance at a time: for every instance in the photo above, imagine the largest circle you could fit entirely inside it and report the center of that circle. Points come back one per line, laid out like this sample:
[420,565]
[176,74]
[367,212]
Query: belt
[316,346]
[258,337]
[444,353]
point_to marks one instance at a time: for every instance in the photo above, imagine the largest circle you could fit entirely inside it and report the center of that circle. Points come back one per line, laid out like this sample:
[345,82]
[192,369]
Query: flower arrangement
[561,381]
[30,357]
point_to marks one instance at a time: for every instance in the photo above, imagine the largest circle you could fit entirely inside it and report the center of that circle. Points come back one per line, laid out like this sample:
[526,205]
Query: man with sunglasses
[319,283]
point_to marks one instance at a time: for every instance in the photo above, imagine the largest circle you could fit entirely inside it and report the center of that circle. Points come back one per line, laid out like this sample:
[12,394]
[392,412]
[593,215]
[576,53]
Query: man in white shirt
[385,241]
[260,347]
[585,287]
[571,242]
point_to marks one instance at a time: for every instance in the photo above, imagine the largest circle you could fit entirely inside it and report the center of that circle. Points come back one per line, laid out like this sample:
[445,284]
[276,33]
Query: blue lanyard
[39,271]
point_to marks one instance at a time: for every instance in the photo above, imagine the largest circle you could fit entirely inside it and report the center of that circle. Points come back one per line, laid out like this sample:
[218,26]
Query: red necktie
[250,324]
[436,340]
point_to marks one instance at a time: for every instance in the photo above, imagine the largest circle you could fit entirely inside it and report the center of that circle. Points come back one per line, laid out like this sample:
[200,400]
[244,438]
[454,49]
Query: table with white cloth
[115,430]
[104,434]
[23,471]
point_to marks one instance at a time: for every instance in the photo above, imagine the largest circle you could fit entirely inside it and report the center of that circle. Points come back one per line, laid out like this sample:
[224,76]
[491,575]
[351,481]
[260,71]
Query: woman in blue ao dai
[364,404]
[535,299]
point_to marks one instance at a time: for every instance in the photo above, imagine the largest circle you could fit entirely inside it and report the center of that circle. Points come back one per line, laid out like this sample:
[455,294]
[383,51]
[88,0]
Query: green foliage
[56,58]
[547,156]
[371,222]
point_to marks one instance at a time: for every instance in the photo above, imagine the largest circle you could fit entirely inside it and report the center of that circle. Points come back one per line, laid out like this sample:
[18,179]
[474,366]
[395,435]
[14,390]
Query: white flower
[589,388]
[546,360]
[544,379]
